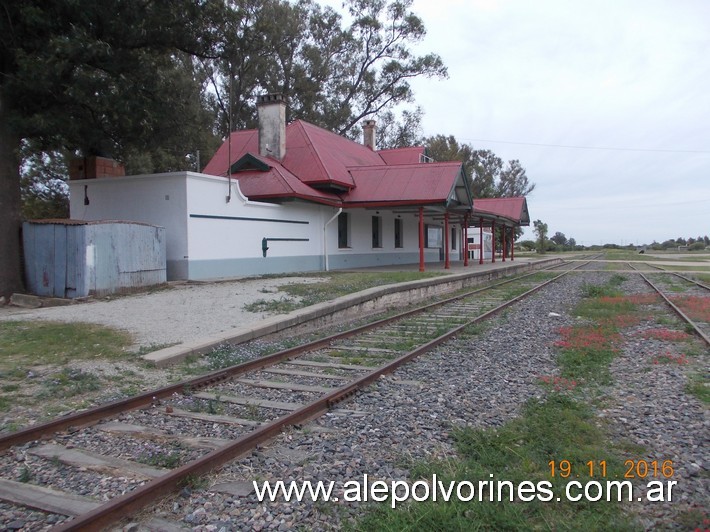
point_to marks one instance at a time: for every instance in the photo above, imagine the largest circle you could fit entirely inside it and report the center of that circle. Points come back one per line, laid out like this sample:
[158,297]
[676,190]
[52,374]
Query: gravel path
[183,312]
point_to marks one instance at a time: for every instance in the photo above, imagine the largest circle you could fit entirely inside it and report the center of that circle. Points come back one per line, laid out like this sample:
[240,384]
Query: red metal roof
[514,209]
[278,182]
[242,142]
[316,157]
[425,183]
[411,155]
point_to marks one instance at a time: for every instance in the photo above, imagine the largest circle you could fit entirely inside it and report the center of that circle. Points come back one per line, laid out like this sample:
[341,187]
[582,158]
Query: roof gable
[249,161]
[241,143]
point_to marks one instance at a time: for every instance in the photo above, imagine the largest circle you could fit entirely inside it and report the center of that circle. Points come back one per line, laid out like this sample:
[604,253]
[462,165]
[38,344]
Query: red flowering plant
[670,358]
[696,307]
[557,383]
[665,335]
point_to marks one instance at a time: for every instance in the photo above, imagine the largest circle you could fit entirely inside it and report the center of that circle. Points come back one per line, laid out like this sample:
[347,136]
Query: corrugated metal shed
[72,258]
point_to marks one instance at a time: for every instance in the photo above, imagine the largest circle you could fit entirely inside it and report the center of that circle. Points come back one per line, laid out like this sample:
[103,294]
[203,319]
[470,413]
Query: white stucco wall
[208,237]
[225,238]
[158,199]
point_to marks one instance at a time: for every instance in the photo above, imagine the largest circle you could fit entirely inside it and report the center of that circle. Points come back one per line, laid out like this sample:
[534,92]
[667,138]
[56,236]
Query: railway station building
[296,197]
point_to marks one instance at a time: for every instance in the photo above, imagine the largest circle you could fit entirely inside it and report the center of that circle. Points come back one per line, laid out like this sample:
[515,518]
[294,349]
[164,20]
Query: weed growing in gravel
[284,305]
[157,456]
[68,383]
[521,450]
[25,474]
[333,285]
[195,482]
[586,351]
[699,386]
[670,358]
[223,356]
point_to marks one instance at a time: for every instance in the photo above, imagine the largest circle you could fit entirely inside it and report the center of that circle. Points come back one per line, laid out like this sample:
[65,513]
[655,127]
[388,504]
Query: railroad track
[689,299]
[227,413]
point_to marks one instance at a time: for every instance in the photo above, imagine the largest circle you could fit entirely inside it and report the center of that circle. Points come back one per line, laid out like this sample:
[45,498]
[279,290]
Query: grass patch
[552,429]
[699,387]
[334,284]
[25,344]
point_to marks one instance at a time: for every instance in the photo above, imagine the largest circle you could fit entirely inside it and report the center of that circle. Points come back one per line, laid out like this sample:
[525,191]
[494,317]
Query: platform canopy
[509,212]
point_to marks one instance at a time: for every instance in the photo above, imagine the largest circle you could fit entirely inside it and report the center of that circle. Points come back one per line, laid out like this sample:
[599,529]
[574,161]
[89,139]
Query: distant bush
[697,246]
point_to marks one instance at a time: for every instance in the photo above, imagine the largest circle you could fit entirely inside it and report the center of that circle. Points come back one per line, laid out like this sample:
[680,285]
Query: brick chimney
[272,125]
[93,167]
[368,134]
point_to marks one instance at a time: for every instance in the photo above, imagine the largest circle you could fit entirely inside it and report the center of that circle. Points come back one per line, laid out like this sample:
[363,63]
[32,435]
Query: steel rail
[677,310]
[92,415]
[133,501]
[692,281]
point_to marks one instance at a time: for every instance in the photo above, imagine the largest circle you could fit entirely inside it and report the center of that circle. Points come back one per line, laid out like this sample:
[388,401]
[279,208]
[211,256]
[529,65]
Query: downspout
[325,237]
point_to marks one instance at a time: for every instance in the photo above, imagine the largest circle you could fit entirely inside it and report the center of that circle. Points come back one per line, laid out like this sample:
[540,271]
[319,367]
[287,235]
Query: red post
[421,239]
[503,231]
[465,240]
[480,241]
[512,244]
[447,262]
[493,240]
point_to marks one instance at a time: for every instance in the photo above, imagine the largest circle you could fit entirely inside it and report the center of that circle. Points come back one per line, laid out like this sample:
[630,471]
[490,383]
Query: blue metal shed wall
[125,256]
[75,260]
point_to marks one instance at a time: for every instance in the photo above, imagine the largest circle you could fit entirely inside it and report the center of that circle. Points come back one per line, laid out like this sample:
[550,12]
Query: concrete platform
[359,304]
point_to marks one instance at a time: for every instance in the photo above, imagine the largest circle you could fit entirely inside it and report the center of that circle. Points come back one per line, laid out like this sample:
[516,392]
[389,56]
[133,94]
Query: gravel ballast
[480,381]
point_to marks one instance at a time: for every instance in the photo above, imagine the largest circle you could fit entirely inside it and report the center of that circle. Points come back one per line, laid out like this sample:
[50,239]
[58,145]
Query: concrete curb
[344,307]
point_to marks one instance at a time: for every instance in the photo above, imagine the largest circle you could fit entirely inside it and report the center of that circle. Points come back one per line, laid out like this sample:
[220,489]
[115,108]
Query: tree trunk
[10,219]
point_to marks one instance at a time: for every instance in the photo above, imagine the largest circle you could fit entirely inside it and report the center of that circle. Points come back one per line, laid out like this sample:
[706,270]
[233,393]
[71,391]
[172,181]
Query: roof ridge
[404,165]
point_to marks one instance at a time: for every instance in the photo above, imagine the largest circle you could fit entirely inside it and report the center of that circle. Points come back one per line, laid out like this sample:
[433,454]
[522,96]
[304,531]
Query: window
[433,236]
[343,230]
[398,233]
[376,231]
[453,238]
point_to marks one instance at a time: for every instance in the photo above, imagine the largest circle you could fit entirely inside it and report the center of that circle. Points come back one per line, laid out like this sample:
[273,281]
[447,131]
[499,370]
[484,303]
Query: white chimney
[368,134]
[272,125]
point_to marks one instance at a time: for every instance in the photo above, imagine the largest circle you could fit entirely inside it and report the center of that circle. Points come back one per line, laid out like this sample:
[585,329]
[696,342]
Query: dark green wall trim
[244,218]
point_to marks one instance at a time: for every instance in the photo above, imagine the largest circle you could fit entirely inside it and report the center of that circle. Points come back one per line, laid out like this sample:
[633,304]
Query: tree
[491,177]
[332,76]
[541,232]
[43,186]
[512,181]
[96,78]
[399,133]
[559,238]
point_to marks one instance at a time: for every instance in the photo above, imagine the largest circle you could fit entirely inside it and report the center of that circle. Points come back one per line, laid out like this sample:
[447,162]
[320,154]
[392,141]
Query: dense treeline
[559,242]
[158,84]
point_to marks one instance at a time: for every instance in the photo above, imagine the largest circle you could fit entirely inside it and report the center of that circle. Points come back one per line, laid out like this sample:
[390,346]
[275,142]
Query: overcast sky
[605,103]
